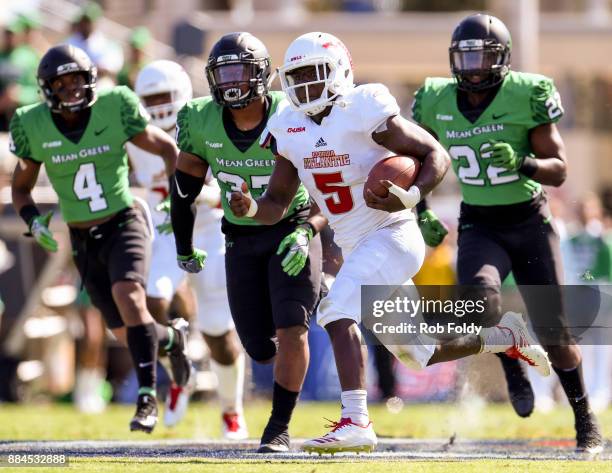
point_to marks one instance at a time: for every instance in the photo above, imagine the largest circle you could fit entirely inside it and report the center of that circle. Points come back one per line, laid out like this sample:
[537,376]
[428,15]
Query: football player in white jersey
[164,87]
[328,136]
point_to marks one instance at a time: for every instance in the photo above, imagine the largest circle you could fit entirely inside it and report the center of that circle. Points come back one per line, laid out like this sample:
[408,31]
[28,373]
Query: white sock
[231,384]
[496,339]
[355,406]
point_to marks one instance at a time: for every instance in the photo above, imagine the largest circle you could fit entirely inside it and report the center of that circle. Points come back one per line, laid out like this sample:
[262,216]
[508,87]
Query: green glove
[164,228]
[432,229]
[298,243]
[194,263]
[39,228]
[503,156]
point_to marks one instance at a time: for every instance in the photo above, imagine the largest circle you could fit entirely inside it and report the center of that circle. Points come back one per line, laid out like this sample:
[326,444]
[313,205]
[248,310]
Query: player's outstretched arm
[158,142]
[273,204]
[549,167]
[405,138]
[188,181]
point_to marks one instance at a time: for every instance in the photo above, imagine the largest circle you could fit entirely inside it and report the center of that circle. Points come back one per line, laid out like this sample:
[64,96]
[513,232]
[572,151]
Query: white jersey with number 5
[333,159]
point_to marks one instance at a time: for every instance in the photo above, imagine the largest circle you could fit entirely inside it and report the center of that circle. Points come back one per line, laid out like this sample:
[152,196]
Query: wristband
[28,212]
[529,166]
[310,228]
[422,206]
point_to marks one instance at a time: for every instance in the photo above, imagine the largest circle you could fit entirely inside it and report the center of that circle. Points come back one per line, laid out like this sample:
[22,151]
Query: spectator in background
[105,54]
[32,35]
[139,39]
[18,64]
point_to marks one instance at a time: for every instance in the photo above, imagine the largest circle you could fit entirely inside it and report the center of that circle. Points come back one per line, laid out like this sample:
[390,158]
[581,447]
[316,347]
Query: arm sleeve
[378,106]
[134,117]
[183,211]
[19,144]
[545,102]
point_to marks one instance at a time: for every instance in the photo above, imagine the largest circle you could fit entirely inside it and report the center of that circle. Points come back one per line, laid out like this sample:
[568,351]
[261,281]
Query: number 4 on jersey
[86,187]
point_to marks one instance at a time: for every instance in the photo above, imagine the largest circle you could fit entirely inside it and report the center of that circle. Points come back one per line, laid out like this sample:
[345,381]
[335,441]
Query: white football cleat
[525,347]
[234,426]
[345,436]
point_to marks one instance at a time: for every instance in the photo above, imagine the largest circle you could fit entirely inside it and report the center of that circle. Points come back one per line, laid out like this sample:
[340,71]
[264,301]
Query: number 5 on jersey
[86,187]
[341,199]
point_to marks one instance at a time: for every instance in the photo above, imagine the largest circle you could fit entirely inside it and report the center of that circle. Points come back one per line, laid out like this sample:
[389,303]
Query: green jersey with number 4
[90,177]
[524,101]
[200,131]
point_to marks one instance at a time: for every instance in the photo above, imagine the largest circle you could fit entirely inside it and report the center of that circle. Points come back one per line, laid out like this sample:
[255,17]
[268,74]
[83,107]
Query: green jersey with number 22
[200,131]
[90,176]
[524,101]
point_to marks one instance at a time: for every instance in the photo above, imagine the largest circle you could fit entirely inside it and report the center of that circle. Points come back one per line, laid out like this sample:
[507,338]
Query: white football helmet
[317,49]
[160,77]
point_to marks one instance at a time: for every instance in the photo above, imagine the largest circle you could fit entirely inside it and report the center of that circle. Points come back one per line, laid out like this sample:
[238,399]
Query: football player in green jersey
[499,128]
[273,272]
[79,136]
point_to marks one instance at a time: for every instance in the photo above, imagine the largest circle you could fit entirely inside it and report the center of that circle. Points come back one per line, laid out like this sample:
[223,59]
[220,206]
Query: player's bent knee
[262,351]
[491,297]
[131,301]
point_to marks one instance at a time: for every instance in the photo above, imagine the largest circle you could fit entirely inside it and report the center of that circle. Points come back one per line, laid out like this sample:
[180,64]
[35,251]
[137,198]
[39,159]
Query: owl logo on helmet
[164,88]
[317,69]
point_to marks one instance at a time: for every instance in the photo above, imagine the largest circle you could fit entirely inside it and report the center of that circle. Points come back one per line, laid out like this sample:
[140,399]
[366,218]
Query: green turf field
[62,422]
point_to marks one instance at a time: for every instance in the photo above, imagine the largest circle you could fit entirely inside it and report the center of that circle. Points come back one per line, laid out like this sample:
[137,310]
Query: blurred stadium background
[47,331]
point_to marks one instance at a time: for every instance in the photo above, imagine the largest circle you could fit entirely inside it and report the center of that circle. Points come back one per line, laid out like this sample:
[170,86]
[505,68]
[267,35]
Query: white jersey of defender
[333,159]
[150,172]
[214,317]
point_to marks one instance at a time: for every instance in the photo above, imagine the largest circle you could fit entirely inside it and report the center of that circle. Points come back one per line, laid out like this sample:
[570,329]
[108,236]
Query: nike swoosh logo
[99,132]
[144,365]
[497,117]
[178,190]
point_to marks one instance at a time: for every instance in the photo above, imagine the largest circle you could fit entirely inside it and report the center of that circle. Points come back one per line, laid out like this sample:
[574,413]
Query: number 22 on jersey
[468,171]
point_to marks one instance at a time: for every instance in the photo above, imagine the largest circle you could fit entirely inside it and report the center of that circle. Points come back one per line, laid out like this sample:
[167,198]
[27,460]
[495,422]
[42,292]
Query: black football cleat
[146,414]
[588,434]
[179,362]
[519,388]
[275,438]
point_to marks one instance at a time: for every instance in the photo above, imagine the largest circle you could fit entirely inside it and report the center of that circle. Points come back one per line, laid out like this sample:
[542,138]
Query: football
[401,170]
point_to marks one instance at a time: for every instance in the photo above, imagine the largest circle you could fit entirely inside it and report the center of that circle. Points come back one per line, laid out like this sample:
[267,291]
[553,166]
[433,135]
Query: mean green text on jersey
[200,131]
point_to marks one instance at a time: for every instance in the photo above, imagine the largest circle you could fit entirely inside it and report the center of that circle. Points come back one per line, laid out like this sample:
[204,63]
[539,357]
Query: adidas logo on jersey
[320,143]
[214,145]
[444,118]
